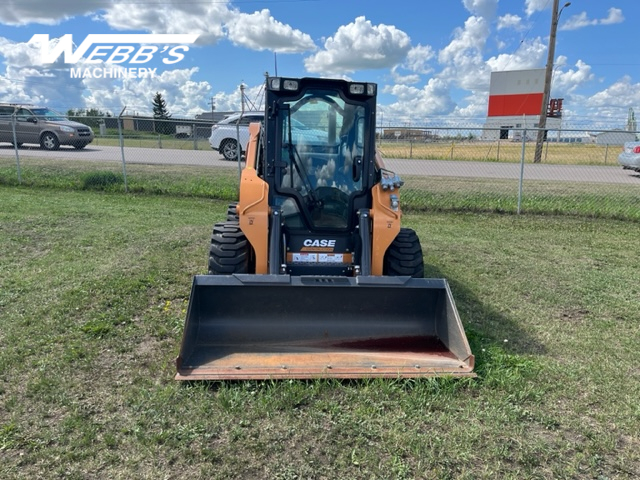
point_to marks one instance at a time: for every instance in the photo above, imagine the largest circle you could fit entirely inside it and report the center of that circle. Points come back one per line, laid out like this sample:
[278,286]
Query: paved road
[445,168]
[94,153]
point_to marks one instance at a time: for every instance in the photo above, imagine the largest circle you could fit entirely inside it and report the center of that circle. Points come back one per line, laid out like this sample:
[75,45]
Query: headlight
[67,129]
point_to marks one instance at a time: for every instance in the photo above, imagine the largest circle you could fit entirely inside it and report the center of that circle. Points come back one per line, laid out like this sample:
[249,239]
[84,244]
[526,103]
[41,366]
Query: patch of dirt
[575,315]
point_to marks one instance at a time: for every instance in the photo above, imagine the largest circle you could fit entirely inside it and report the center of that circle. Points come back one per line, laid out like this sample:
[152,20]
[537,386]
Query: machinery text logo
[115,50]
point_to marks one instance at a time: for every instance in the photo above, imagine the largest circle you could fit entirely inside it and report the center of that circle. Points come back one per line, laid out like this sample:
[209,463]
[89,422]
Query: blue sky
[431,59]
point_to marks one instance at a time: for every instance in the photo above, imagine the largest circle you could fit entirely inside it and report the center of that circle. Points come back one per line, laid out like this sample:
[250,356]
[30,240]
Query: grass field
[420,193]
[504,151]
[93,290]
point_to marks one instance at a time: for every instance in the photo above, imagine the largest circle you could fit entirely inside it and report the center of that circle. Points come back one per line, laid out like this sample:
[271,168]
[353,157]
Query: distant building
[617,137]
[213,117]
[401,133]
[515,100]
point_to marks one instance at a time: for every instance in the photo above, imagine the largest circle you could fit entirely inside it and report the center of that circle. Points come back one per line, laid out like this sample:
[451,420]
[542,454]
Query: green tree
[161,114]
[160,110]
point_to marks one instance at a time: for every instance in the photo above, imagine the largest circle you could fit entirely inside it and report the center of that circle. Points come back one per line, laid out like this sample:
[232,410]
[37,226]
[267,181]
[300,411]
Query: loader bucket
[281,326]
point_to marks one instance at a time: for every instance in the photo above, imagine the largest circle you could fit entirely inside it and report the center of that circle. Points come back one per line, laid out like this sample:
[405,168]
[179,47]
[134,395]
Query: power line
[533,23]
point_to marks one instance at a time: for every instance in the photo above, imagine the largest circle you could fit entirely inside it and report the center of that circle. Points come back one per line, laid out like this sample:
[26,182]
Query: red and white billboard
[516,93]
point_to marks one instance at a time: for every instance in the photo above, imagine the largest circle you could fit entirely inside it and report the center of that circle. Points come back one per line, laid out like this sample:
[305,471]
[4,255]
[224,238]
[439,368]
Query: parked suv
[224,134]
[43,126]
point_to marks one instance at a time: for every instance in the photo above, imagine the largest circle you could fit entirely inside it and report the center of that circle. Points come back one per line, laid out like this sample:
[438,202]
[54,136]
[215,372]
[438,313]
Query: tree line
[94,116]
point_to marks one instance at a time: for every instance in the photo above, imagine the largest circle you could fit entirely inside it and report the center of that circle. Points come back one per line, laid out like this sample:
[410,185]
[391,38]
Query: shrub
[101,180]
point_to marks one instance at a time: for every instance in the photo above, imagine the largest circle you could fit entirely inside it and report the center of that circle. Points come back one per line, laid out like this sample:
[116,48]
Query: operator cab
[317,165]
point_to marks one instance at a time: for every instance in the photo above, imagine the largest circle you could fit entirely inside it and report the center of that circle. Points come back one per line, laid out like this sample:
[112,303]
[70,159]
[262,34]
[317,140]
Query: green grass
[145,140]
[430,193]
[93,291]
[206,182]
[420,193]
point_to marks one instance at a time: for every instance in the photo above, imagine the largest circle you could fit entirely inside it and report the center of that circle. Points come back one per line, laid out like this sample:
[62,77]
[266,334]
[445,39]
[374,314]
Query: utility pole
[542,124]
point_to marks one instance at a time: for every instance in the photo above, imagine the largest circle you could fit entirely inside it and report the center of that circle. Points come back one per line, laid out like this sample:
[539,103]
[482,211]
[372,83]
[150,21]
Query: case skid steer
[311,275]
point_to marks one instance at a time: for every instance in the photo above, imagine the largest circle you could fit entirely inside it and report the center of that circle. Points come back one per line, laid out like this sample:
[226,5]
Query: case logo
[319,243]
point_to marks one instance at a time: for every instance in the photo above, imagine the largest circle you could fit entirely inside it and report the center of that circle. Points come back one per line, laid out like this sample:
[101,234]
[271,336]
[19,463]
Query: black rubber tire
[232,214]
[404,256]
[229,149]
[230,251]
[49,141]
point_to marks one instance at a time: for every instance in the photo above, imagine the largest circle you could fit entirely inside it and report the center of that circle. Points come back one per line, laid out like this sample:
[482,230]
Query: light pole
[542,124]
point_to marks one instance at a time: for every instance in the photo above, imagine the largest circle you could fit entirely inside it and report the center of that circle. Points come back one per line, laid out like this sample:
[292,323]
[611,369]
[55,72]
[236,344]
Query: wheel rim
[229,150]
[49,142]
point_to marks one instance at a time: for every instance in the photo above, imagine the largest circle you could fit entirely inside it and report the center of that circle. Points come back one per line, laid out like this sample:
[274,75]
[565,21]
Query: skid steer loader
[312,275]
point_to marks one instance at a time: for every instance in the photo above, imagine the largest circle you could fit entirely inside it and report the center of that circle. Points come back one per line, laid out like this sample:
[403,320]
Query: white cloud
[400,79]
[581,20]
[260,31]
[509,21]
[463,62]
[533,6]
[184,96]
[469,40]
[481,8]
[21,12]
[622,93]
[18,54]
[25,80]
[418,58]
[475,107]
[567,82]
[412,102]
[172,16]
[615,16]
[360,46]
[609,107]
[528,55]
[213,22]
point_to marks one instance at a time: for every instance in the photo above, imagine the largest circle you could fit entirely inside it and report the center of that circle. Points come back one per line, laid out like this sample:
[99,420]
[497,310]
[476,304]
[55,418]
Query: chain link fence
[453,167]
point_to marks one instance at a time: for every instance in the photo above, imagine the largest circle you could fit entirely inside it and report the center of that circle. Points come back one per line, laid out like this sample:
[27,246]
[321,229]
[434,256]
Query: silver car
[42,126]
[224,135]
[630,156]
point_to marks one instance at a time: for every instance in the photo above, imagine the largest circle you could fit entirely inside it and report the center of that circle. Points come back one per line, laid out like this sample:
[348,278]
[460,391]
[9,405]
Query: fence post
[524,143]
[15,146]
[606,153]
[124,164]
[546,148]
[159,141]
[194,133]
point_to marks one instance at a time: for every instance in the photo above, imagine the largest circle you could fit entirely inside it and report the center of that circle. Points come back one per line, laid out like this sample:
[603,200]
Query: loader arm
[253,207]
